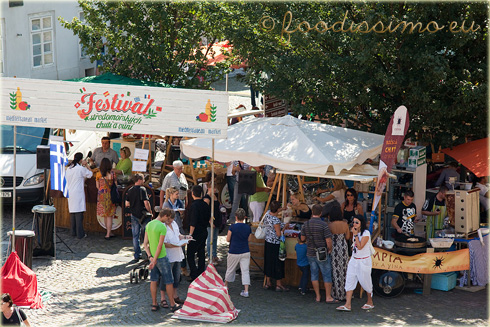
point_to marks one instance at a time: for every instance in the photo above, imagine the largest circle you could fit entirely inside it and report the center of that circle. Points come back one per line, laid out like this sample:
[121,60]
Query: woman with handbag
[11,315]
[273,266]
[105,207]
[360,264]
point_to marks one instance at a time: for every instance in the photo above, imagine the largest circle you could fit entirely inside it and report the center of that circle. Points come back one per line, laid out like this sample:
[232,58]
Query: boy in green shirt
[160,266]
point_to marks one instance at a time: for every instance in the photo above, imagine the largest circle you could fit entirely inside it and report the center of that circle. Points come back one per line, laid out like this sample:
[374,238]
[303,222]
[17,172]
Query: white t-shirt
[339,195]
[172,237]
[483,199]
[75,182]
[365,251]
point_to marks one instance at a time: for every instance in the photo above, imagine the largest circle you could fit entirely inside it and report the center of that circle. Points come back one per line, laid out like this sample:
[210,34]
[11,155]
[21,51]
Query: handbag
[21,321]
[282,247]
[115,197]
[260,231]
[321,253]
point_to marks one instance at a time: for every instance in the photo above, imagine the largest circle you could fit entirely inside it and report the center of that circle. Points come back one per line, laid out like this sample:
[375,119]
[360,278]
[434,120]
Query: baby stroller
[135,275]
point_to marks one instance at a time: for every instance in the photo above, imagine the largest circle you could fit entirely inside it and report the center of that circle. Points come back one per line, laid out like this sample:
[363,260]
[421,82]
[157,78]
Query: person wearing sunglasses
[351,207]
[12,315]
[360,265]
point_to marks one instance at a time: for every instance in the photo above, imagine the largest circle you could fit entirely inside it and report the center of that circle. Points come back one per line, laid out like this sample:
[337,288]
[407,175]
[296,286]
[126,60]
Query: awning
[361,173]
[473,155]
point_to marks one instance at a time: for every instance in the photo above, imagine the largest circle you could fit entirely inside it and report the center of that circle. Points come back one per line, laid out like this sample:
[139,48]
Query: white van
[29,179]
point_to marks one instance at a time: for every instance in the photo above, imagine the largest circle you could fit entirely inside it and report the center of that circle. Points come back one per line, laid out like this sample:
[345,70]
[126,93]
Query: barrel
[256,252]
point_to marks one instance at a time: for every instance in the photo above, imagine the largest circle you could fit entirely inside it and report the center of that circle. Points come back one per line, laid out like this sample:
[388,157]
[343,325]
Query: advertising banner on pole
[114,108]
[395,134]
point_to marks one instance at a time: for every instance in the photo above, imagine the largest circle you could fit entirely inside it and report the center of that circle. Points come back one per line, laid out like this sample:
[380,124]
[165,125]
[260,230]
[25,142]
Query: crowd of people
[333,240]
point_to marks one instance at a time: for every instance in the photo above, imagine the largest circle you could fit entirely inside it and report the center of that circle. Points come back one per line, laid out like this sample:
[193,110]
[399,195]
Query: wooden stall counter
[90,221]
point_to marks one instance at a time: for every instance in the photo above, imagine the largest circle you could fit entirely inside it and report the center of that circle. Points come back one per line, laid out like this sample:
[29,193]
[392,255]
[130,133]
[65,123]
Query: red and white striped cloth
[208,300]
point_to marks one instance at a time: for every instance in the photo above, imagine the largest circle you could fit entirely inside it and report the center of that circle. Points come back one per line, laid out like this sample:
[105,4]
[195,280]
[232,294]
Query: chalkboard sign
[127,232]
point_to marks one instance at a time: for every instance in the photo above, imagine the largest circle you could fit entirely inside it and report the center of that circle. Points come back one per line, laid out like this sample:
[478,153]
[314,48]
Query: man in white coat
[76,173]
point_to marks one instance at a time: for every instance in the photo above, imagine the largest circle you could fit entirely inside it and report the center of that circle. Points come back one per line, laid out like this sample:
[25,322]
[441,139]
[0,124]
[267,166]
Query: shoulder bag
[260,231]
[21,321]
[321,252]
[115,197]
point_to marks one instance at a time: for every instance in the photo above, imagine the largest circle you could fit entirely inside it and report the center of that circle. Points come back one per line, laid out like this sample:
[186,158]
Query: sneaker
[244,294]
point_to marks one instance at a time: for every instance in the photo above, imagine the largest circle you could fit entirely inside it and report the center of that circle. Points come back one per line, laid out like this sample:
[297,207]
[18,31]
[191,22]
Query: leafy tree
[361,78]
[154,40]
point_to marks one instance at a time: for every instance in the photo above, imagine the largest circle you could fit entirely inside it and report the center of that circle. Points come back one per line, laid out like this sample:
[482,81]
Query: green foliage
[153,40]
[361,78]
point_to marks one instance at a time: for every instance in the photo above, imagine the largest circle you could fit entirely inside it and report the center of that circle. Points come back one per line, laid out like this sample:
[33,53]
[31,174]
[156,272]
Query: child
[303,265]
[239,252]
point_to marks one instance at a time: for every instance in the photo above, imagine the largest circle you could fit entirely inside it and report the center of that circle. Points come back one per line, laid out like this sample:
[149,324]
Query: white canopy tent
[362,173]
[292,145]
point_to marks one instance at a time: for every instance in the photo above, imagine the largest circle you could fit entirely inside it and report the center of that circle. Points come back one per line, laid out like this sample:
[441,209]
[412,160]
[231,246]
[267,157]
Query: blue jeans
[231,182]
[137,230]
[162,271]
[215,242]
[324,266]
[305,274]
[176,273]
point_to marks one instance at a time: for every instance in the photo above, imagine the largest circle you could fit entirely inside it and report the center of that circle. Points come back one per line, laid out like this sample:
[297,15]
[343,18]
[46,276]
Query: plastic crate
[444,281]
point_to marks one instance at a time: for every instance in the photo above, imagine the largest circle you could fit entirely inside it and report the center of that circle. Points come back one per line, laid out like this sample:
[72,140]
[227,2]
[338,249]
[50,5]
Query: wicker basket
[441,242]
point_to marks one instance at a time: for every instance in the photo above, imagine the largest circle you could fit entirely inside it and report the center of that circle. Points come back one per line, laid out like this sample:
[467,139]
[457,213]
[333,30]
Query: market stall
[296,147]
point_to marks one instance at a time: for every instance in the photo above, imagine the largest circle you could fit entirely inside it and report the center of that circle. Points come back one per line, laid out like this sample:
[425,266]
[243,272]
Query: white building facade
[34,45]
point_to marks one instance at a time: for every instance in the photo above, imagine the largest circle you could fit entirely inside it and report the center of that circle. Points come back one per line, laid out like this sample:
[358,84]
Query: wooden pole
[193,173]
[270,195]
[284,186]
[279,187]
[300,190]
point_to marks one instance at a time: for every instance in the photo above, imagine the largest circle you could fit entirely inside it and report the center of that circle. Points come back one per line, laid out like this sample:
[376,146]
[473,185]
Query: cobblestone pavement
[90,287]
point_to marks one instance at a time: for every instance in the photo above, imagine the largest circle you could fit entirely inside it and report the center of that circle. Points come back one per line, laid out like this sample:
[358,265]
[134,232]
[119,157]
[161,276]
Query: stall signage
[114,108]
[424,263]
[275,107]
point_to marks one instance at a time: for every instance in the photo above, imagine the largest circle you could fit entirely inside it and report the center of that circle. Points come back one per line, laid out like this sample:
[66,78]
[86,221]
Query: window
[16,4]
[42,41]
[83,52]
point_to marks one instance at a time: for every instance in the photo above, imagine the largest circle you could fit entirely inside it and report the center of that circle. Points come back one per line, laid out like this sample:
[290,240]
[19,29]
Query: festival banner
[114,108]
[395,134]
[424,263]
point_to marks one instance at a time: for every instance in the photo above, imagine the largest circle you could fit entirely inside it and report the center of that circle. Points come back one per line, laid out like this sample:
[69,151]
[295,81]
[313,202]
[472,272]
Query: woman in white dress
[76,173]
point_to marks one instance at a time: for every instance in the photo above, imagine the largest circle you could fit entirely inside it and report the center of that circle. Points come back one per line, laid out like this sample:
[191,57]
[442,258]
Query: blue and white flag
[58,161]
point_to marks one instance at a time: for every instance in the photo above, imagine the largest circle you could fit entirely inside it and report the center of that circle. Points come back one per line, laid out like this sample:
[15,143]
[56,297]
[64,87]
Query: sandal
[175,308]
[283,289]
[154,307]
[343,308]
[178,300]
[266,287]
[164,304]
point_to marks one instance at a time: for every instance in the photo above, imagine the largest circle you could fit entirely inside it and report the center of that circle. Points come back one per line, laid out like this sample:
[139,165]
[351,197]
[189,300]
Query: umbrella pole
[211,242]
[14,192]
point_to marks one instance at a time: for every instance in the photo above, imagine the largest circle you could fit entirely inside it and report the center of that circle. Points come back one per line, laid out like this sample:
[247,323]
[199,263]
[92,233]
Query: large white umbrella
[290,144]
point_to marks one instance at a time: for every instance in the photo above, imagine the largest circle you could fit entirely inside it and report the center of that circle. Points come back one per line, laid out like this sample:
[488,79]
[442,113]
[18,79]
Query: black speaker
[42,157]
[247,182]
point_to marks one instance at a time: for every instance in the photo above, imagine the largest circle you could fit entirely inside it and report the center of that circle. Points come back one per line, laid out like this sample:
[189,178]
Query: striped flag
[58,161]
[208,300]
